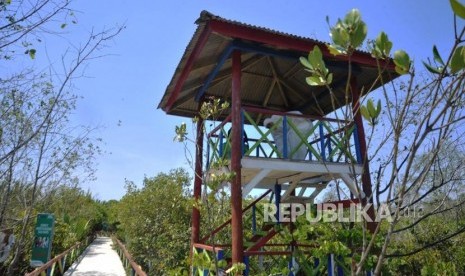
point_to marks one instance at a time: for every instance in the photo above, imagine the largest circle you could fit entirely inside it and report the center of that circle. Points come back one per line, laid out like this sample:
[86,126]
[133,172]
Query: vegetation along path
[99,259]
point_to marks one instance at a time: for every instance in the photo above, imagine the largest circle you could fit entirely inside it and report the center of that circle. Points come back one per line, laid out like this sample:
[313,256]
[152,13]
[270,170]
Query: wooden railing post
[128,261]
[52,263]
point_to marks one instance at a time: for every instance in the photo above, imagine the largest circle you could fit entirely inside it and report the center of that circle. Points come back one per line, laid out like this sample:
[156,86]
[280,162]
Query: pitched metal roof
[272,76]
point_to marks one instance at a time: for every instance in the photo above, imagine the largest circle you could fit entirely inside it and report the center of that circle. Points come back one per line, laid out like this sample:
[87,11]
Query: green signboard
[42,245]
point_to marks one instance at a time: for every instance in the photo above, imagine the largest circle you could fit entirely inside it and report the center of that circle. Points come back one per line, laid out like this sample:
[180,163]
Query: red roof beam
[187,68]
[288,42]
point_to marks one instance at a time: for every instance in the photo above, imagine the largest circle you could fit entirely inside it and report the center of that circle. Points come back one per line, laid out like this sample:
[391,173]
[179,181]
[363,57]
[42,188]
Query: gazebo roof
[272,76]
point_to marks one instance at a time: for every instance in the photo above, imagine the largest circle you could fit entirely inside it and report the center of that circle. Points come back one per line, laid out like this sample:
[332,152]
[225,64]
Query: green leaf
[350,32]
[359,34]
[32,53]
[457,61]
[66,219]
[432,69]
[319,74]
[335,50]
[402,62]
[315,57]
[371,108]
[370,113]
[458,8]
[314,81]
[63,25]
[339,35]
[436,55]
[378,109]
[305,62]
[364,112]
[382,46]
[222,263]
[181,133]
[329,78]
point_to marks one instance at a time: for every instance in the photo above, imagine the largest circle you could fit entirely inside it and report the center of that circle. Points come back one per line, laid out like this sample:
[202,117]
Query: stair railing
[226,223]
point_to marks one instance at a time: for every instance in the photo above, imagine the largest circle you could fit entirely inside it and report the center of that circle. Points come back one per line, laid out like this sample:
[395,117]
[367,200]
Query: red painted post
[236,189]
[197,183]
[366,180]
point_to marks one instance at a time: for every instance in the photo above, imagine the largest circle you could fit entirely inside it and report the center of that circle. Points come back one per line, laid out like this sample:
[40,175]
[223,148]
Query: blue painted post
[290,266]
[247,265]
[277,199]
[224,56]
[220,255]
[358,153]
[285,142]
[322,141]
[330,265]
[221,143]
[242,134]
[330,149]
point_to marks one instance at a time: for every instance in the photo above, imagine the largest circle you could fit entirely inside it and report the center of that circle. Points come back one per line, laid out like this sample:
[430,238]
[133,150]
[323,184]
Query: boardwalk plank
[99,259]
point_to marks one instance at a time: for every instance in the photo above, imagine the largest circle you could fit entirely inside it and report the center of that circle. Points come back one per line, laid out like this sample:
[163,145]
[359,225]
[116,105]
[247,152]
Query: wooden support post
[197,183]
[330,265]
[277,200]
[366,180]
[236,189]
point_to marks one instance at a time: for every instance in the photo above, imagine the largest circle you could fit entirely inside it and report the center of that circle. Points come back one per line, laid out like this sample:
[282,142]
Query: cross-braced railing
[62,261]
[290,136]
[129,264]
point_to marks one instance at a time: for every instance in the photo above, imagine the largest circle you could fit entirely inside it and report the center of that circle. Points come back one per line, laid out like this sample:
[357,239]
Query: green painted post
[72,255]
[64,262]
[60,266]
[52,271]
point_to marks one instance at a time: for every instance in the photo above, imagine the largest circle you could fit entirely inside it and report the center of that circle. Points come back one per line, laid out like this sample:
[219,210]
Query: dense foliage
[154,221]
[77,216]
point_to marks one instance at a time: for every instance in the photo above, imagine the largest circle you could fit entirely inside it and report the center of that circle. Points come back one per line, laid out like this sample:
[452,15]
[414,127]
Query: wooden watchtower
[258,71]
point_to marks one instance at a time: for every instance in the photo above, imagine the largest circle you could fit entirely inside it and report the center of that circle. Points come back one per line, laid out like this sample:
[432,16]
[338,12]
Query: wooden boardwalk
[99,259]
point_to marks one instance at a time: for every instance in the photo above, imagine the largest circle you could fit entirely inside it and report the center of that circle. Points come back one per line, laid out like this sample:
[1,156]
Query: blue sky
[121,91]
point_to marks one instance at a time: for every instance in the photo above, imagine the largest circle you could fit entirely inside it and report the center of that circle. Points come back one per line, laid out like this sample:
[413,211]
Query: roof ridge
[205,16]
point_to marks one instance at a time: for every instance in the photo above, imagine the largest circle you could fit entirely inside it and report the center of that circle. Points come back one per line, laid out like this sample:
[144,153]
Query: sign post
[42,245]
